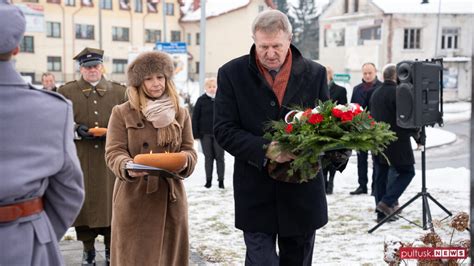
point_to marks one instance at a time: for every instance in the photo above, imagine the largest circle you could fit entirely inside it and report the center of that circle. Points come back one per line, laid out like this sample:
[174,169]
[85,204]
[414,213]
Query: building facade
[381,31]
[59,29]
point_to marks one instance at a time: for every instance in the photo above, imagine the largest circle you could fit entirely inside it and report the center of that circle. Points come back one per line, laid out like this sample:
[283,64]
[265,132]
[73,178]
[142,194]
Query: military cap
[89,57]
[13,26]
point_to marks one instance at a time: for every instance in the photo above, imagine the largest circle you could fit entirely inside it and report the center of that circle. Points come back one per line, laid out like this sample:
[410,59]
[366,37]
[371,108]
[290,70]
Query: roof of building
[432,7]
[192,11]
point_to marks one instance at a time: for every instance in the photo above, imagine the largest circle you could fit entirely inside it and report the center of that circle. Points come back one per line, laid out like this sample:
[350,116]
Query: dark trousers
[362,166]
[398,179]
[391,181]
[329,179]
[212,151]
[87,235]
[294,250]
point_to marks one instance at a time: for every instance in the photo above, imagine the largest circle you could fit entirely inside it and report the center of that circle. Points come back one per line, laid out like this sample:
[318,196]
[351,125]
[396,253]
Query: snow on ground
[344,240]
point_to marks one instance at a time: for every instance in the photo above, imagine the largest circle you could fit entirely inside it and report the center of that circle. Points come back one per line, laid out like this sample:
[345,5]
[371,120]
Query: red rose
[289,128]
[347,116]
[336,113]
[315,119]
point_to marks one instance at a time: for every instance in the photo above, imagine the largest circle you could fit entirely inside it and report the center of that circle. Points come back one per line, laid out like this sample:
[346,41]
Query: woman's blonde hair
[138,98]
[207,81]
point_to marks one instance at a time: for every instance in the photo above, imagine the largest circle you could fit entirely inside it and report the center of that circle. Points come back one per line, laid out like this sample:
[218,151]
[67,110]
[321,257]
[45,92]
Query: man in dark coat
[391,180]
[253,90]
[361,95]
[93,98]
[41,189]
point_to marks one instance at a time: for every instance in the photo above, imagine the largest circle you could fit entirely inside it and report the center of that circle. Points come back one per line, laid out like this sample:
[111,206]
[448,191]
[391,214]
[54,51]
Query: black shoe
[221,184]
[208,184]
[382,216]
[358,191]
[88,257]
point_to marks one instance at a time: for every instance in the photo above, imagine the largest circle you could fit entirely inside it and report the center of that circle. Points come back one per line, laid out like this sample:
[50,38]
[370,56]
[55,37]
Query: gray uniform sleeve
[65,194]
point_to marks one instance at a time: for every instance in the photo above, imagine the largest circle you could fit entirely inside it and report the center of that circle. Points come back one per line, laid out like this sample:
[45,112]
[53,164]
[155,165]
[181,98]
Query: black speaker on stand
[419,103]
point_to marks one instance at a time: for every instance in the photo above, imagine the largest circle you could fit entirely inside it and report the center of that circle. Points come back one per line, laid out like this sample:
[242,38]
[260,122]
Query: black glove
[82,131]
[336,159]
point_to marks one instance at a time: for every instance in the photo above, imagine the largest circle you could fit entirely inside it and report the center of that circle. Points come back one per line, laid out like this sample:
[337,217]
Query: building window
[449,38]
[120,34]
[372,33]
[411,39]
[88,3]
[346,6]
[152,36]
[175,36]
[119,65]
[188,39]
[356,6]
[84,31]
[198,38]
[54,1]
[169,9]
[106,4]
[54,63]
[124,4]
[197,67]
[70,2]
[138,6]
[53,29]
[27,44]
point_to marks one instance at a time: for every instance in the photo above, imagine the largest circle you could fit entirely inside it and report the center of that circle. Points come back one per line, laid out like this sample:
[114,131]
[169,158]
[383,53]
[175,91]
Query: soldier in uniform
[42,188]
[93,98]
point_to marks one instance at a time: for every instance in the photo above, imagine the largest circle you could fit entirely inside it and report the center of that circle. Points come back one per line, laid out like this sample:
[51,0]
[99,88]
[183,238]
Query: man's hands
[275,153]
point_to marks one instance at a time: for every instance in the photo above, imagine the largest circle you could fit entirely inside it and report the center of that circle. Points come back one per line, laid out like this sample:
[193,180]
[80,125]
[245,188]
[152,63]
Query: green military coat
[92,107]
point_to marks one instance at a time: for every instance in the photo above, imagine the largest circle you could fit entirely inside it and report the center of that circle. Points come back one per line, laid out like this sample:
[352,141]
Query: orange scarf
[281,80]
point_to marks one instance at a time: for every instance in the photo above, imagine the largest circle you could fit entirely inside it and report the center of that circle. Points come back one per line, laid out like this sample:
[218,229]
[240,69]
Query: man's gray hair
[390,72]
[271,21]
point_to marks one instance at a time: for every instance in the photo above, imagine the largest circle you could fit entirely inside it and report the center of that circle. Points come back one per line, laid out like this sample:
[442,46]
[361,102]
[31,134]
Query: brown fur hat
[149,63]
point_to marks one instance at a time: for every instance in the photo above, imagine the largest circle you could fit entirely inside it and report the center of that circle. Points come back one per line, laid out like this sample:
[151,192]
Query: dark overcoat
[337,93]
[92,107]
[383,108]
[244,103]
[203,116]
[37,159]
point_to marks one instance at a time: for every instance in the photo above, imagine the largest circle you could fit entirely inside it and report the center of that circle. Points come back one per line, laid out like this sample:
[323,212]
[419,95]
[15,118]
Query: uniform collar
[8,74]
[87,88]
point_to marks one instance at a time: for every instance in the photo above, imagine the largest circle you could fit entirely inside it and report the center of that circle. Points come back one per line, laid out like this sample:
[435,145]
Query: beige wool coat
[92,107]
[150,216]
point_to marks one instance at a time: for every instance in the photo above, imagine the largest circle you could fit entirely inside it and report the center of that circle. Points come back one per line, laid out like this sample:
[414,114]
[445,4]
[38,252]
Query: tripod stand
[427,222]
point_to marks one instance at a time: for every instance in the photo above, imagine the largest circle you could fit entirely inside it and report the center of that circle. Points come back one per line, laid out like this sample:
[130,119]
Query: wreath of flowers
[329,126]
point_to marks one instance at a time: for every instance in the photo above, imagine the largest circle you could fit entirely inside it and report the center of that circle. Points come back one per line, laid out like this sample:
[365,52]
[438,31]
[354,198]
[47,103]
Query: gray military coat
[37,158]
[92,107]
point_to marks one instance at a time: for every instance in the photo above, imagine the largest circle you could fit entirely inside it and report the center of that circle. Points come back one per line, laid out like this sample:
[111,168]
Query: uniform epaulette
[118,83]
[52,93]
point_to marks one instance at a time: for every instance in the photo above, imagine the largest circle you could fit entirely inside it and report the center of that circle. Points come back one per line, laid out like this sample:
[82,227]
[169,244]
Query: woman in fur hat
[150,216]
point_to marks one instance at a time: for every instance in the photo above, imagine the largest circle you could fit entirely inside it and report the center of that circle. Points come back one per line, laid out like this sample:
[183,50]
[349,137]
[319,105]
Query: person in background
[253,90]
[203,123]
[361,95]
[93,98]
[41,189]
[48,81]
[150,221]
[394,176]
[337,94]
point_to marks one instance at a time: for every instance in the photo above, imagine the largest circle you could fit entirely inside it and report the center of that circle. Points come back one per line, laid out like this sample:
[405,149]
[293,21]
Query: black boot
[88,257]
[208,182]
[221,183]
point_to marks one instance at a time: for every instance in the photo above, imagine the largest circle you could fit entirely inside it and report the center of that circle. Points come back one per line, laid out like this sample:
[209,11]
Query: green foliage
[342,127]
